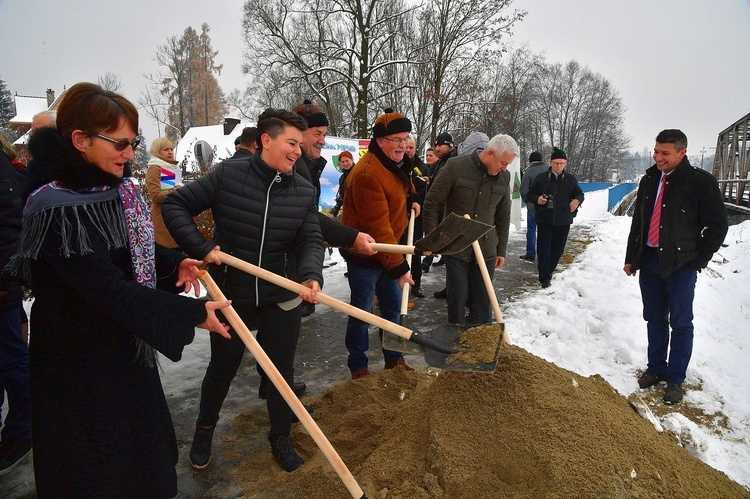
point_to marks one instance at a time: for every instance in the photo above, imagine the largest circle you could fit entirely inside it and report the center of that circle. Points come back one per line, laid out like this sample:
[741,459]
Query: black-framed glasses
[120,145]
[397,141]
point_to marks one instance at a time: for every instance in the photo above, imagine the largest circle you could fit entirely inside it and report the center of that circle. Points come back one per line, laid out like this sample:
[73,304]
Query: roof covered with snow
[222,145]
[27,107]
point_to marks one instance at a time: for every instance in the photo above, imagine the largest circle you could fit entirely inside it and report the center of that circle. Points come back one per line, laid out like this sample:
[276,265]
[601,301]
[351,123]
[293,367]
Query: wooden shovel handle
[332,302]
[488,285]
[409,242]
[401,249]
[280,383]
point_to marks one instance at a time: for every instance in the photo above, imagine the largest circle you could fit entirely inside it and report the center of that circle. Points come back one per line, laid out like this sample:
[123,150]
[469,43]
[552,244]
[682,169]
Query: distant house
[208,144]
[26,108]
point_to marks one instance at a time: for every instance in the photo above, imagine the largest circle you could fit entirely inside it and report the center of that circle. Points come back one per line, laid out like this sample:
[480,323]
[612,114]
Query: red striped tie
[653,228]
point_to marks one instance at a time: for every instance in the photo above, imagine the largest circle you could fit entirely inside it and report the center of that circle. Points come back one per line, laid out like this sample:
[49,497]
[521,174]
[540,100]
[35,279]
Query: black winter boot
[200,450]
[283,452]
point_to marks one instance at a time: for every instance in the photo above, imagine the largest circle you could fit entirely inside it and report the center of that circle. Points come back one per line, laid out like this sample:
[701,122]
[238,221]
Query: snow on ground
[590,321]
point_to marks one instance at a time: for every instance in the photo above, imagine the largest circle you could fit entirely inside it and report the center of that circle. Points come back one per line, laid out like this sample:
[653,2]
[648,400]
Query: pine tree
[7,105]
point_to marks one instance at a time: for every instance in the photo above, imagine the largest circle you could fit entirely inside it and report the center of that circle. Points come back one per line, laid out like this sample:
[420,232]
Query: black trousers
[550,244]
[279,330]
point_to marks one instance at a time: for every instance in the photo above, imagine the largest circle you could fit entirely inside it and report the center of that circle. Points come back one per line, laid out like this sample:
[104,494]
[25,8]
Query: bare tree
[339,49]
[110,81]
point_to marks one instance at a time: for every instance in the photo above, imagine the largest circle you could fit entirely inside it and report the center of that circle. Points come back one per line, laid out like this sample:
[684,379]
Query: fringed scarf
[119,216]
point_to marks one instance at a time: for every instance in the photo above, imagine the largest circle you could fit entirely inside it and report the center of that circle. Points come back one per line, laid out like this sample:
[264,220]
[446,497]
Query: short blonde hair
[158,145]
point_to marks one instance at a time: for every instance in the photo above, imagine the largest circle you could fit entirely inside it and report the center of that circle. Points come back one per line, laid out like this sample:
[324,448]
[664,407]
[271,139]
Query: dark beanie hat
[314,116]
[535,156]
[558,154]
[346,154]
[444,139]
[390,122]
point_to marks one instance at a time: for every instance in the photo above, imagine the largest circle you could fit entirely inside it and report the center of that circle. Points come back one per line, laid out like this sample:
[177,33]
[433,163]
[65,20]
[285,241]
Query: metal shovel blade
[471,355]
[453,235]
[399,344]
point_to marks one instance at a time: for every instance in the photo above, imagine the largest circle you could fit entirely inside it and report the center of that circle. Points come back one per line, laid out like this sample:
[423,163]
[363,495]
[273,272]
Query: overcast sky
[676,63]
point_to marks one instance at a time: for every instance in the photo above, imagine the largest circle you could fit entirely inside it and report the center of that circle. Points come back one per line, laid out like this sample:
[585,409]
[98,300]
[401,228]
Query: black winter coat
[261,216]
[563,188]
[100,420]
[693,218]
[10,229]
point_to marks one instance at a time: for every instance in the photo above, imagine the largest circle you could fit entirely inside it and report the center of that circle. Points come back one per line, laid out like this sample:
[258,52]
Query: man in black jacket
[557,197]
[679,222]
[247,143]
[14,354]
[310,165]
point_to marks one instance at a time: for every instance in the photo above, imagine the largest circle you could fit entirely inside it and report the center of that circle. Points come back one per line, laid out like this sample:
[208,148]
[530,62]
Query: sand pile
[530,429]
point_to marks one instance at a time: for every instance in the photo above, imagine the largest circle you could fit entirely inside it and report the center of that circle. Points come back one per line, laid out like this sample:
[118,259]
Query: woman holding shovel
[100,422]
[263,212]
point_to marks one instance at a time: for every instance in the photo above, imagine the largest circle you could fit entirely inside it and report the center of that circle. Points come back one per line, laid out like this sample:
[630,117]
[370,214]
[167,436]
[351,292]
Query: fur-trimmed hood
[56,159]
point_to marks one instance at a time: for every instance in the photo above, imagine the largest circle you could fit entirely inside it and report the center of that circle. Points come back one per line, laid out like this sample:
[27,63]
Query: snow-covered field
[590,321]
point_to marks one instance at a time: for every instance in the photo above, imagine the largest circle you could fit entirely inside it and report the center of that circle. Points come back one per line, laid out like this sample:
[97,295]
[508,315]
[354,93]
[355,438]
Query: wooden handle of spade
[280,383]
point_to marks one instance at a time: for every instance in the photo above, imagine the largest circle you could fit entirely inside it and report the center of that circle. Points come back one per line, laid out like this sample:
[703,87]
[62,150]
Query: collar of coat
[678,172]
[268,173]
[402,172]
[477,162]
[56,159]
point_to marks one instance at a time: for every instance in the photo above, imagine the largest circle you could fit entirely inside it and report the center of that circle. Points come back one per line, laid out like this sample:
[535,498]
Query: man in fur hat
[379,194]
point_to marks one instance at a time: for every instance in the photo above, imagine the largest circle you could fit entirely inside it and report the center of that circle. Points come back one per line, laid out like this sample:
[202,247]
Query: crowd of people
[106,272]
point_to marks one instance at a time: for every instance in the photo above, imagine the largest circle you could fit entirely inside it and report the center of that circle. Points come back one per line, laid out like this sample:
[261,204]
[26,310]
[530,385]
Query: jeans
[14,375]
[667,302]
[279,330]
[462,280]
[550,244]
[365,283]
[531,230]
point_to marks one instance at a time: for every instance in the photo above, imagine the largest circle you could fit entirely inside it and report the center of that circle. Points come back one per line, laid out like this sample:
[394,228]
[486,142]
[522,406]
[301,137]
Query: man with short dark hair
[247,143]
[536,166]
[679,223]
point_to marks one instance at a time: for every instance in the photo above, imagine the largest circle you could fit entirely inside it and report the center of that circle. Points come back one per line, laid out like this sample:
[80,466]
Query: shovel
[429,345]
[289,396]
[391,341]
[453,235]
[445,333]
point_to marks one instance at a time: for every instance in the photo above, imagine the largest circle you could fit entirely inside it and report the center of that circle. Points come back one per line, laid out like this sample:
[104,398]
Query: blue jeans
[550,244]
[464,279]
[531,230]
[14,375]
[366,283]
[667,302]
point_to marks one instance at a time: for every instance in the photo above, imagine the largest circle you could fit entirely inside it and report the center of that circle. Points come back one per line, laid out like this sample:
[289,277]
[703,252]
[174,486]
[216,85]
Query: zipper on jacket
[275,180]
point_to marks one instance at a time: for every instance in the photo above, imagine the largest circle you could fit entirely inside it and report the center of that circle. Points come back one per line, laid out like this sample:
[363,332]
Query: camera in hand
[549,198]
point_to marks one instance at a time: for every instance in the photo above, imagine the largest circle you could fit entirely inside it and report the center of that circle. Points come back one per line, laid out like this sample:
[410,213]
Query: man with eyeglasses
[477,184]
[379,194]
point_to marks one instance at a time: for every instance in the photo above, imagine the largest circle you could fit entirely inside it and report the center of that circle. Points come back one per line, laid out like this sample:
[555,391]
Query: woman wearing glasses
[100,422]
[162,156]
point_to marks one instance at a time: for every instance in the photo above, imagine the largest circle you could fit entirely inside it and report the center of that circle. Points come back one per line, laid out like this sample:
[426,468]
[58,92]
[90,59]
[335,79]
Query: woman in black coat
[100,422]
[265,214]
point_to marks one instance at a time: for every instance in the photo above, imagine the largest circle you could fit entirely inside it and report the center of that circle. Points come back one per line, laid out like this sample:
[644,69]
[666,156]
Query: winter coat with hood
[693,218]
[261,216]
[100,420]
[157,195]
[378,192]
[563,189]
[464,186]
